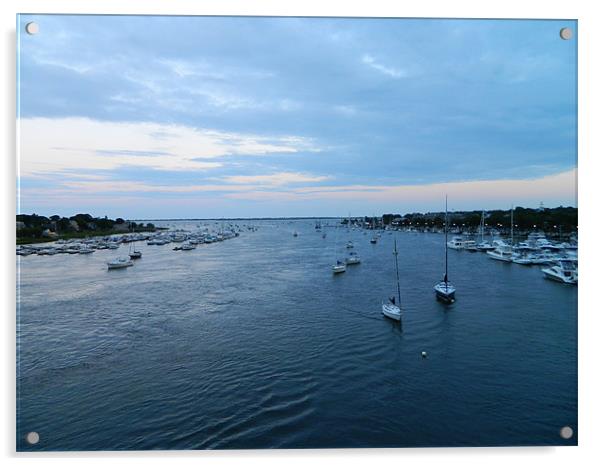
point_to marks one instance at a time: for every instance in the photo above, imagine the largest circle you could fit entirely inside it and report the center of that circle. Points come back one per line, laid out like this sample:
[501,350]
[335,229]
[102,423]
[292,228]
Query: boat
[135,254]
[444,290]
[392,309]
[565,271]
[295,234]
[119,263]
[186,246]
[523,257]
[349,245]
[455,243]
[502,252]
[373,240]
[470,246]
[339,267]
[352,259]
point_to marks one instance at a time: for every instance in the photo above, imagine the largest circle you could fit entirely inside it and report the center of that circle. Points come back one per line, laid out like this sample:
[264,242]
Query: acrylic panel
[278,232]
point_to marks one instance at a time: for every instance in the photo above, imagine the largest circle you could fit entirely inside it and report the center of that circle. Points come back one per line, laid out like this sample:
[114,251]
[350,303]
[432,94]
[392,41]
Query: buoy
[424,354]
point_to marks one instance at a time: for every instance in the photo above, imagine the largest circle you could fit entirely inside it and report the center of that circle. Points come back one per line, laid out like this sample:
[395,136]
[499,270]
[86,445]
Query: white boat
[339,267]
[470,245]
[186,246]
[392,309]
[523,258]
[485,246]
[502,252]
[565,272]
[456,243]
[444,290]
[86,250]
[352,259]
[119,263]
[349,245]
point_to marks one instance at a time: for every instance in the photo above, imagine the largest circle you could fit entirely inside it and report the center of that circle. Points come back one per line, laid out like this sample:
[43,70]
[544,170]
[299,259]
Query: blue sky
[164,117]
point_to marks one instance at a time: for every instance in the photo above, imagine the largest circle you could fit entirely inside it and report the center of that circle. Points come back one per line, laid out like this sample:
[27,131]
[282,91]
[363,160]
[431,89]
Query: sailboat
[392,309]
[339,266]
[483,245]
[133,253]
[504,252]
[444,290]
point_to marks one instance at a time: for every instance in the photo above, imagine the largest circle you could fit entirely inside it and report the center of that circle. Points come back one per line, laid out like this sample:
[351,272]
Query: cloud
[66,145]
[276,179]
[559,186]
[387,70]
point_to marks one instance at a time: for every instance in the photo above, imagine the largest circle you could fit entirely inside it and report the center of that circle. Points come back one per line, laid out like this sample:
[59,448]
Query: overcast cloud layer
[163,117]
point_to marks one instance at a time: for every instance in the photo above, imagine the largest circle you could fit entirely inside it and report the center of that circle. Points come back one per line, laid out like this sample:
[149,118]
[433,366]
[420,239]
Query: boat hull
[447,294]
[392,312]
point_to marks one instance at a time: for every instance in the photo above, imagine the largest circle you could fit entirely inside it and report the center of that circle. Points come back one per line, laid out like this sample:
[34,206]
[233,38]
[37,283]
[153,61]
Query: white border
[590,226]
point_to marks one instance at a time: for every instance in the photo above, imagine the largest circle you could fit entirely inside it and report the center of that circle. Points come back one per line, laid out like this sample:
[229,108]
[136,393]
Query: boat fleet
[183,241]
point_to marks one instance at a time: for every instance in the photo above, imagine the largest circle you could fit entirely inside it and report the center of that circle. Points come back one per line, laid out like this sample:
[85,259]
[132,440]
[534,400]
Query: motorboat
[470,245]
[502,252]
[565,271]
[455,243]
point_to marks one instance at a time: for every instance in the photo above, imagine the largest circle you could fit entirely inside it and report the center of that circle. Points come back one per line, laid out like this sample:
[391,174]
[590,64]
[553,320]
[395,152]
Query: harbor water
[254,343]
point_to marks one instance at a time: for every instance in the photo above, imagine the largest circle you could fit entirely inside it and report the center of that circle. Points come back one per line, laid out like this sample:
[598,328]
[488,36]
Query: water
[253,343]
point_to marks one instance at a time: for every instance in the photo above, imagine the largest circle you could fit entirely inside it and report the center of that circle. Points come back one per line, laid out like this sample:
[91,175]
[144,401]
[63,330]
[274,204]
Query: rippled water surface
[253,343]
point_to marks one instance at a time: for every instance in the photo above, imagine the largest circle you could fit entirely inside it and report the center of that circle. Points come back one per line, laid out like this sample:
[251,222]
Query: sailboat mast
[445,240]
[512,226]
[397,274]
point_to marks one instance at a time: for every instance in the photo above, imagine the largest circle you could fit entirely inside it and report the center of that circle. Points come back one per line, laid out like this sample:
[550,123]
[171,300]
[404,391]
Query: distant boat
[565,272]
[186,246]
[295,234]
[119,263]
[349,245]
[444,290]
[353,258]
[392,309]
[339,267]
[470,245]
[135,254]
[455,243]
[502,252]
[373,240]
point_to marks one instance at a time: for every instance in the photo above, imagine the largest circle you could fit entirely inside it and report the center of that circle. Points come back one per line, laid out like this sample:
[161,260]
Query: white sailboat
[392,309]
[483,245]
[119,263]
[353,258]
[444,290]
[339,266]
[504,252]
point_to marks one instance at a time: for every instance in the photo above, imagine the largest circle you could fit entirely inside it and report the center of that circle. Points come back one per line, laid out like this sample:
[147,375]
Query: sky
[208,117]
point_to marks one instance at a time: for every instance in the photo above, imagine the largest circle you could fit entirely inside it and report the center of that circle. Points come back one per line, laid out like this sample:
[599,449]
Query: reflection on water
[253,343]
